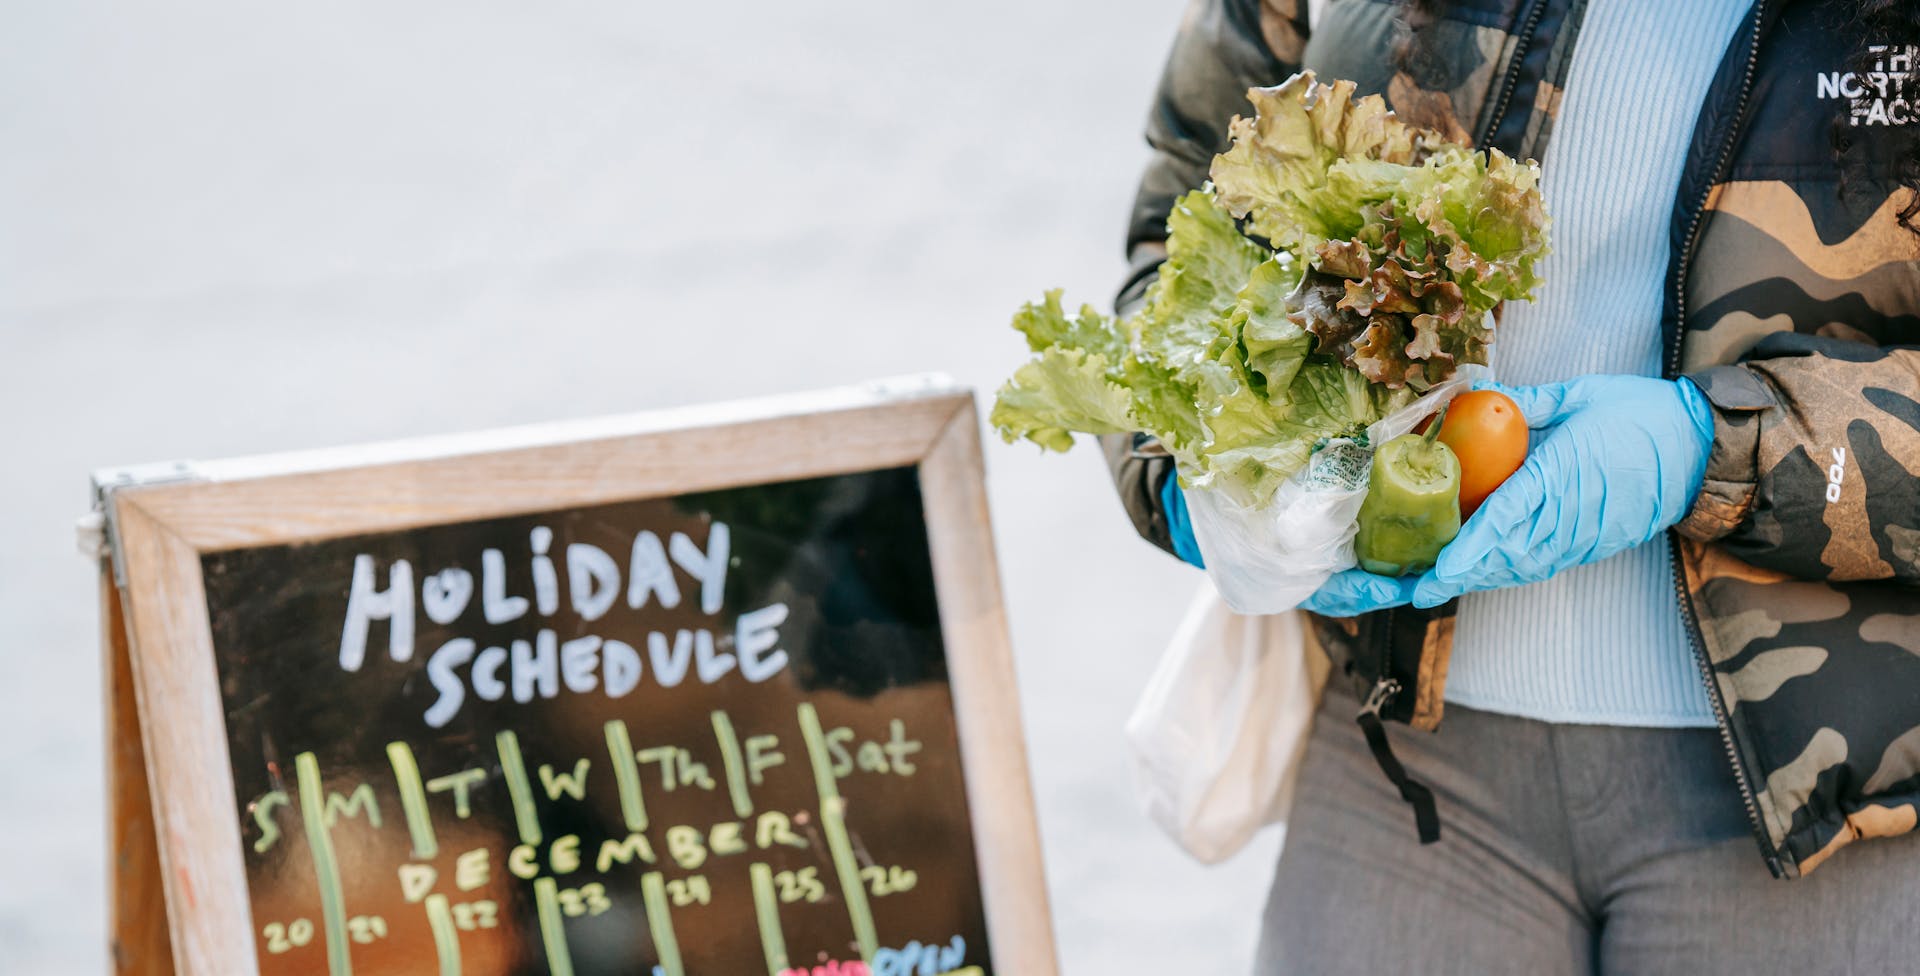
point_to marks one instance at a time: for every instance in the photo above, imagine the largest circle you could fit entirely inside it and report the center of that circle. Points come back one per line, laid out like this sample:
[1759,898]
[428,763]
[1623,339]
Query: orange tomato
[1488,434]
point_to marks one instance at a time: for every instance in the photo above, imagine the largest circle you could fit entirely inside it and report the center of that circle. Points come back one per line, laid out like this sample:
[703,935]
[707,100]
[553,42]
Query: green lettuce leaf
[1061,391]
[1208,261]
[1076,383]
[1274,345]
[1252,443]
[1047,325]
[1257,447]
[1485,217]
[1336,401]
[1165,406]
[1306,166]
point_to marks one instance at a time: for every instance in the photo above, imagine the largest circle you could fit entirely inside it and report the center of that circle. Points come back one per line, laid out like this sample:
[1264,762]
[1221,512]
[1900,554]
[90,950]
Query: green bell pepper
[1412,508]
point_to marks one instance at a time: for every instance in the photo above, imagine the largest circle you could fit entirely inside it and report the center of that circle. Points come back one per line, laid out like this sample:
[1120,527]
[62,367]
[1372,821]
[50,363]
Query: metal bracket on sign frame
[96,533]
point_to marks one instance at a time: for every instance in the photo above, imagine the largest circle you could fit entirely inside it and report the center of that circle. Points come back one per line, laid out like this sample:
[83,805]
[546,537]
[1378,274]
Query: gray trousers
[1577,849]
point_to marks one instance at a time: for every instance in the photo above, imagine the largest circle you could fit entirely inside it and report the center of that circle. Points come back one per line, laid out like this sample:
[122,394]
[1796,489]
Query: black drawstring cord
[1425,817]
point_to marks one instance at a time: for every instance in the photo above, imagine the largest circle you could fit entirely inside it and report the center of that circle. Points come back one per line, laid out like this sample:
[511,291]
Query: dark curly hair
[1879,24]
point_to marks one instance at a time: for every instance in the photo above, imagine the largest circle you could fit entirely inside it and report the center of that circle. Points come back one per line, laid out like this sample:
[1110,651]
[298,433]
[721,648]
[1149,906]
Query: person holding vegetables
[1689,623]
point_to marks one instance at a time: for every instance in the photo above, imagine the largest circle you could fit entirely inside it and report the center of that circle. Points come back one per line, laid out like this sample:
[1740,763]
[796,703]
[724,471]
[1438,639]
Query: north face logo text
[1884,96]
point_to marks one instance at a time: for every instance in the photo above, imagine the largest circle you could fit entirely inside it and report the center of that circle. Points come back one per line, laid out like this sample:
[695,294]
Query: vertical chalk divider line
[518,787]
[736,767]
[653,891]
[546,899]
[660,924]
[326,869]
[766,910]
[833,819]
[446,937]
[553,928]
[626,773]
[413,799]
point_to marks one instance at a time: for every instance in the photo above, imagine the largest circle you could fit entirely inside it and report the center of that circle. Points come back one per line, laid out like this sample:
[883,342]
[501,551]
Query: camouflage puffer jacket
[1795,307]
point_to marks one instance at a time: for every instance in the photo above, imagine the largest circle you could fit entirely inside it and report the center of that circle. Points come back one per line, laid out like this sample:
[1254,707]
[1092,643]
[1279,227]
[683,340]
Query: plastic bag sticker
[1341,465]
[1268,560]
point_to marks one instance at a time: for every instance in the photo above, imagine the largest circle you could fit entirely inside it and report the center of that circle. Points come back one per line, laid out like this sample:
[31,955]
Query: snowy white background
[229,228]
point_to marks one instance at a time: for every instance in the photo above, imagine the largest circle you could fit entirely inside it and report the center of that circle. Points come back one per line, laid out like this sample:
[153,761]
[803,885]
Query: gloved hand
[1619,459]
[1355,591]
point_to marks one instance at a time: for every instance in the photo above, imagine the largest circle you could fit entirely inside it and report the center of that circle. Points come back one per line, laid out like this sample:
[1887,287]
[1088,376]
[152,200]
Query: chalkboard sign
[720,692]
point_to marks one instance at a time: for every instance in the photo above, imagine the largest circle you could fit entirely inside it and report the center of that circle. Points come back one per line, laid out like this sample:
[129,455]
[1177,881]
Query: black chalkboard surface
[719,691]
[704,734]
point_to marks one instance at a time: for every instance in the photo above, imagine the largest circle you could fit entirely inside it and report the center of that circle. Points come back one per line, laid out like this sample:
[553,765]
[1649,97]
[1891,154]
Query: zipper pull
[1382,694]
[1426,818]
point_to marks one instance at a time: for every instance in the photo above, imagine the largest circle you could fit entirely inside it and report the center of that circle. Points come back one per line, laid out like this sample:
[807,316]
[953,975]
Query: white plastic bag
[1217,736]
[1268,560]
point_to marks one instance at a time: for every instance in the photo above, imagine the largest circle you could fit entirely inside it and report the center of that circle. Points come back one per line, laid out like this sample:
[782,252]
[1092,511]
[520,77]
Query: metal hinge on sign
[96,533]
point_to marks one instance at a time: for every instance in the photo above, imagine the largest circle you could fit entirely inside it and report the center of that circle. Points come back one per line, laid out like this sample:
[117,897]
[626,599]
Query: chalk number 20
[284,936]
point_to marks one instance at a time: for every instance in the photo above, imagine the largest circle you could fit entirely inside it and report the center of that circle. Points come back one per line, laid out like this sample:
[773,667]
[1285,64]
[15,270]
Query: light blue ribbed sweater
[1603,643]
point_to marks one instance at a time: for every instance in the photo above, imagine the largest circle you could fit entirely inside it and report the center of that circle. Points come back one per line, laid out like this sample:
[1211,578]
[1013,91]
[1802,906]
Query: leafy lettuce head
[1385,249]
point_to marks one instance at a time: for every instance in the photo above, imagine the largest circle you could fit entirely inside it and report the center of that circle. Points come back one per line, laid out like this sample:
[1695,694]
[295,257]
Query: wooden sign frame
[165,714]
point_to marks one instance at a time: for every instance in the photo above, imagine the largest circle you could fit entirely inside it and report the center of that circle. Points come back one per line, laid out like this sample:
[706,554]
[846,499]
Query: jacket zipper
[1521,43]
[1692,616]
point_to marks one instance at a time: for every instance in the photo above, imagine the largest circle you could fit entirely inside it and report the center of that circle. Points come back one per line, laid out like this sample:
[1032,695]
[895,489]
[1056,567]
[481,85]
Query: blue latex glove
[1174,502]
[1356,591]
[1616,461]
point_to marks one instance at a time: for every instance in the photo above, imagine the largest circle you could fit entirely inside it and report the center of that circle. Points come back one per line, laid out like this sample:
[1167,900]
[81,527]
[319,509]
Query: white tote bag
[1218,734]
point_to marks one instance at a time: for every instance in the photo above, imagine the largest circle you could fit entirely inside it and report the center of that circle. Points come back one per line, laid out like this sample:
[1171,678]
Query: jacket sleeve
[1223,48]
[1815,470]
